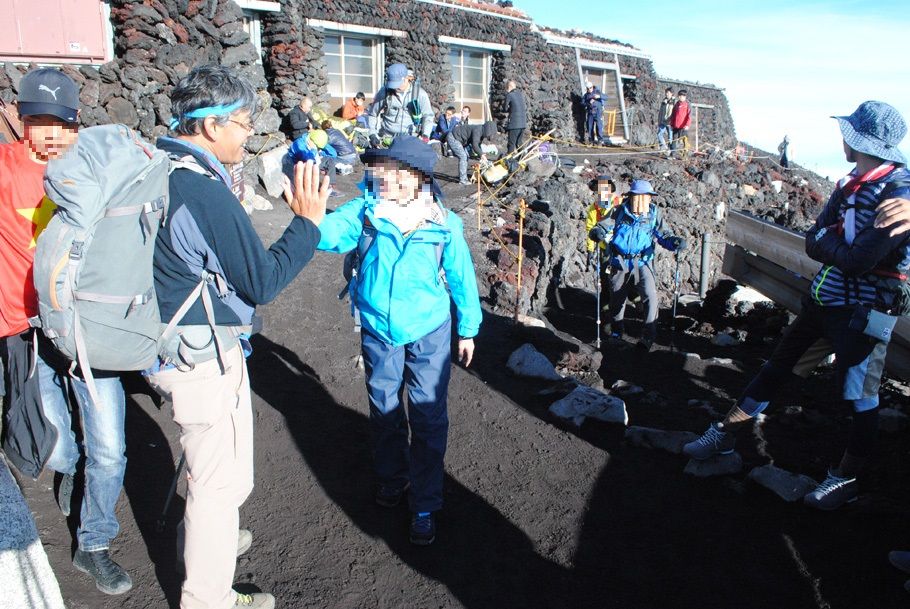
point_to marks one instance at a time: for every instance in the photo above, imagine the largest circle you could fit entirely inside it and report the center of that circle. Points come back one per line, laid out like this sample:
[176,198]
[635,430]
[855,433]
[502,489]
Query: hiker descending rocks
[632,230]
[469,137]
[593,101]
[410,261]
[517,109]
[38,416]
[853,302]
[401,107]
[211,270]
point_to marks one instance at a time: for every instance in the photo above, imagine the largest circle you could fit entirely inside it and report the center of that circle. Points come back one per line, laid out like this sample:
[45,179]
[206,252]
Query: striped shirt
[839,286]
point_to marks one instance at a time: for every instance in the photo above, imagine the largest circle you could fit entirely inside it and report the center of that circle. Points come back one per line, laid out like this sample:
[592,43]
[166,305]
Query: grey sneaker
[832,493]
[257,600]
[711,443]
[109,577]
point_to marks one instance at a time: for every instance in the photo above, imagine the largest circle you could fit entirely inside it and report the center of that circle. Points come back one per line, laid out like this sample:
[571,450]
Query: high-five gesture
[308,196]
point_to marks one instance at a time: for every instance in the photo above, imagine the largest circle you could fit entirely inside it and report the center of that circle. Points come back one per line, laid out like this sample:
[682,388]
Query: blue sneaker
[423,528]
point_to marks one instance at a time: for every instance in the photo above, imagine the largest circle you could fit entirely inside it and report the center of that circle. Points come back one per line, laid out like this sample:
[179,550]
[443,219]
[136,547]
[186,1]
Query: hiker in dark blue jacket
[517,110]
[444,125]
[632,230]
[853,302]
[593,102]
[209,258]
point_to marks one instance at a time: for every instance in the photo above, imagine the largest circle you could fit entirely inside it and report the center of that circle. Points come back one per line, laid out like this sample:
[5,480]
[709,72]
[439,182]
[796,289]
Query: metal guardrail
[772,260]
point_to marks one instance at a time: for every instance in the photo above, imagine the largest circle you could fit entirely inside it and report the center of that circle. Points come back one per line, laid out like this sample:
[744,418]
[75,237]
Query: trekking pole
[477,179]
[597,296]
[162,520]
[675,302]
[522,207]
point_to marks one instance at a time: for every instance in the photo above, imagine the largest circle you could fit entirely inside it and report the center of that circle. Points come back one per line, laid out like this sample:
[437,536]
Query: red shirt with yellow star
[24,212]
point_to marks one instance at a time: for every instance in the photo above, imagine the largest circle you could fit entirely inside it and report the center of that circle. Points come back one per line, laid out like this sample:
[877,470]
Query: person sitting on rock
[312,146]
[344,148]
[301,118]
[632,230]
[403,240]
[464,136]
[853,302]
[354,110]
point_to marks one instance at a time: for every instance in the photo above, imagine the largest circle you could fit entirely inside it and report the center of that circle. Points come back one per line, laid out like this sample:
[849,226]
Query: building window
[354,64]
[253,28]
[471,77]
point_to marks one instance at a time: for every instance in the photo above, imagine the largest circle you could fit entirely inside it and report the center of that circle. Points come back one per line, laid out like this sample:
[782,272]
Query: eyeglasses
[248,125]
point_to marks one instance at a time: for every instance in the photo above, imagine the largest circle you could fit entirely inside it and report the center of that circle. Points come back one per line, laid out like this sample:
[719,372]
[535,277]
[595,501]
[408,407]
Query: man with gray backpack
[38,429]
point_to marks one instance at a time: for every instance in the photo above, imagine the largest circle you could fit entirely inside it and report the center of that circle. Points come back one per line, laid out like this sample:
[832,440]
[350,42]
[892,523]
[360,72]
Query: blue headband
[206,112]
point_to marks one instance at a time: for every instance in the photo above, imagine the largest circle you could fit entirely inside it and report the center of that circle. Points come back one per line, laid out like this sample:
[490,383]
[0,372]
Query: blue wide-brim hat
[409,151]
[642,187]
[875,128]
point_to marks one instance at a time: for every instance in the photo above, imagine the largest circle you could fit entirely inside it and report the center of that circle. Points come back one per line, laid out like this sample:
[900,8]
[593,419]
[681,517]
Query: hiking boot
[109,577]
[65,494]
[711,443]
[646,343]
[423,529]
[901,560]
[832,493]
[257,600]
[389,496]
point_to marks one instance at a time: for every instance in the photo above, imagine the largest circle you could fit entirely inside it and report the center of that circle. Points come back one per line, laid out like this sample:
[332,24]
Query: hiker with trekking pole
[633,230]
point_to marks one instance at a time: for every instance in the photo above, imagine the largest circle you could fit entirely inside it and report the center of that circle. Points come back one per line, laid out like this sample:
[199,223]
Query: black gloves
[679,244]
[374,141]
[598,233]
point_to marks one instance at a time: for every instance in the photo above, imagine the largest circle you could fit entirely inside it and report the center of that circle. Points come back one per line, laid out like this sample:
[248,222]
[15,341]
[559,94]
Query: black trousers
[515,137]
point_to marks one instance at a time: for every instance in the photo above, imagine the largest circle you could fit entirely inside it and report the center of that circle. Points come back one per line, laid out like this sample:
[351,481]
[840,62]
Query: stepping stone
[721,465]
[786,485]
[670,441]
[585,402]
[528,361]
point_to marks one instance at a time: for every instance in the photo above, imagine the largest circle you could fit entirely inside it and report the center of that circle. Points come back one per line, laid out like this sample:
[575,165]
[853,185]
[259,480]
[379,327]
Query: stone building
[463,51]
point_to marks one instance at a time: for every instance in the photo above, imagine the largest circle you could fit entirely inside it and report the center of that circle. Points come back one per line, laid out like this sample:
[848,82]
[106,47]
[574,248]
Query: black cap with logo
[49,91]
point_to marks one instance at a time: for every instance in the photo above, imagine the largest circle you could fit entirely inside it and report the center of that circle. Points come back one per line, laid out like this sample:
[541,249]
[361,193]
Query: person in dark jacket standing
[593,102]
[208,246]
[463,136]
[300,118]
[518,115]
[664,112]
[853,302]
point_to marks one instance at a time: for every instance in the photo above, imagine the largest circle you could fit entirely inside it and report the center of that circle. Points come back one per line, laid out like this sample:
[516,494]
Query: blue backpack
[634,236]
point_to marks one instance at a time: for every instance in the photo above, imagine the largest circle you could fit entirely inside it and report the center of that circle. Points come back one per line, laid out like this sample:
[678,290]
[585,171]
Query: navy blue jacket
[339,141]
[594,102]
[207,228]
[517,109]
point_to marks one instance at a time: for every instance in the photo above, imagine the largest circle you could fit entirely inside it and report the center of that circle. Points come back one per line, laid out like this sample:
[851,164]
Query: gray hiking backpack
[93,262]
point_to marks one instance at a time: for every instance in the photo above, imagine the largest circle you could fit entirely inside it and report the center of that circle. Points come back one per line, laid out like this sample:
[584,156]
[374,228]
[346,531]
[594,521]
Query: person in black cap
[48,105]
[852,304]
[403,240]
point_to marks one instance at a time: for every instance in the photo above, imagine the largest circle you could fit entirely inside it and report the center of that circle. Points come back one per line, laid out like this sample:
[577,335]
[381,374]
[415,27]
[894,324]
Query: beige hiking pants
[216,430]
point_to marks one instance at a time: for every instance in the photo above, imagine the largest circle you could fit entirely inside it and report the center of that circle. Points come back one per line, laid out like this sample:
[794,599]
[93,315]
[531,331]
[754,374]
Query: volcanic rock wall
[156,42]
[715,127]
[694,197]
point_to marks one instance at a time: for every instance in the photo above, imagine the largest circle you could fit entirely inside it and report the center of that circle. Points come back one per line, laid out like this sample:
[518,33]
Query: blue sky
[786,66]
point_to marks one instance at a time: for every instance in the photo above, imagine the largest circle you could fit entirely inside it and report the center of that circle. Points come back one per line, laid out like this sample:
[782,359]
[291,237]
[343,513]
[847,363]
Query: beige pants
[216,430]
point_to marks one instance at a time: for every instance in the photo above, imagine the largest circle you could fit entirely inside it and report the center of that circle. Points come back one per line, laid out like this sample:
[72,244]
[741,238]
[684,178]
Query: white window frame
[378,59]
[487,75]
[253,27]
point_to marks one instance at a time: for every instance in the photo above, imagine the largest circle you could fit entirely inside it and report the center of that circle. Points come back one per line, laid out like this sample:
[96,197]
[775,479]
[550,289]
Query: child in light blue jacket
[410,262]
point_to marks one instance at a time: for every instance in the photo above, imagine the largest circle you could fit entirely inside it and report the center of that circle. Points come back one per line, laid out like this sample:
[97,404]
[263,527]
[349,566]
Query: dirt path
[538,515]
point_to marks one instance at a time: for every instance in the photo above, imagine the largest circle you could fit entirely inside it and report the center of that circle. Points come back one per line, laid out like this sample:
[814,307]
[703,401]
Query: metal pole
[705,264]
[597,287]
[477,178]
[521,226]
